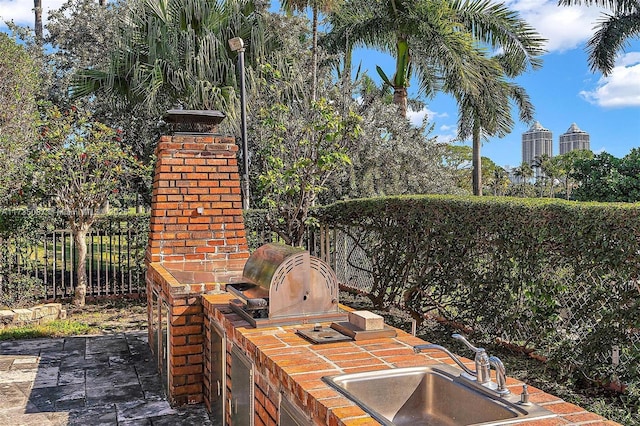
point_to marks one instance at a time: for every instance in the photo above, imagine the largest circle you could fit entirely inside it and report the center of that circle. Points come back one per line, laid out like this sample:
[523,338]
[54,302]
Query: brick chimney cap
[208,117]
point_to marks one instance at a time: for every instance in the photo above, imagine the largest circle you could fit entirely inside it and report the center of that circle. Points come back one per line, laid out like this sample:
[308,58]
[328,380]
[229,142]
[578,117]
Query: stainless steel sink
[430,395]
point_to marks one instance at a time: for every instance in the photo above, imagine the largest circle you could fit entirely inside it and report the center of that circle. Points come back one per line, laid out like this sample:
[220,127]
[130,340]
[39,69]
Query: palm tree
[500,181]
[316,6]
[549,171]
[37,10]
[488,113]
[439,41]
[524,172]
[175,52]
[613,31]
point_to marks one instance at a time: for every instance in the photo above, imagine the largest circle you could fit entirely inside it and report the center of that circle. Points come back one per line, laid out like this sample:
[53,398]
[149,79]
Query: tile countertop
[301,365]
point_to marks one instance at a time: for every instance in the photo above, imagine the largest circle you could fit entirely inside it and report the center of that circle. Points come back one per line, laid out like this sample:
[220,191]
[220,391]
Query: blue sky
[563,91]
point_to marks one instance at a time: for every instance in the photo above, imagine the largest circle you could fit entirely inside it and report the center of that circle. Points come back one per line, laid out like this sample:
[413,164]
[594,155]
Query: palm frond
[501,28]
[177,49]
[610,38]
[616,6]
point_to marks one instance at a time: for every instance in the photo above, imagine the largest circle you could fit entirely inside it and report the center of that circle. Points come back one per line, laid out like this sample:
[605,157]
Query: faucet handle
[483,367]
[466,342]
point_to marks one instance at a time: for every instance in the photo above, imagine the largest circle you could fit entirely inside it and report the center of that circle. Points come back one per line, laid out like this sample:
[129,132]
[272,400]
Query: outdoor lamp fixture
[237,45]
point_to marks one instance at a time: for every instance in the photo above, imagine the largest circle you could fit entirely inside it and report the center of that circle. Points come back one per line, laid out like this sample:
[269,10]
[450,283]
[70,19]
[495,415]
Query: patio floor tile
[109,380]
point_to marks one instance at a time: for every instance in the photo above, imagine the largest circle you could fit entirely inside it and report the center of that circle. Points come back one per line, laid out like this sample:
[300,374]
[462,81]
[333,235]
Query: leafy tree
[606,178]
[630,169]
[438,40]
[612,31]
[566,168]
[394,157]
[299,146]
[18,89]
[458,158]
[391,156]
[80,163]
[524,173]
[599,178]
[80,36]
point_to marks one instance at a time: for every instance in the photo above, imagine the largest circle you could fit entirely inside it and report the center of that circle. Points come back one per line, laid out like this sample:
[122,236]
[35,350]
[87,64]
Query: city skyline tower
[574,139]
[536,142]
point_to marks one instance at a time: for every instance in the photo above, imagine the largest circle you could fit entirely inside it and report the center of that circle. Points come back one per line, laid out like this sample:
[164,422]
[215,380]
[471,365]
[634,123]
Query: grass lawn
[57,328]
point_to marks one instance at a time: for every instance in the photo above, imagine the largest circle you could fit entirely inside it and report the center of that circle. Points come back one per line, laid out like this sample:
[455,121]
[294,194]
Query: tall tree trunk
[401,77]
[1,257]
[477,160]
[80,240]
[37,9]
[348,59]
[400,99]
[314,54]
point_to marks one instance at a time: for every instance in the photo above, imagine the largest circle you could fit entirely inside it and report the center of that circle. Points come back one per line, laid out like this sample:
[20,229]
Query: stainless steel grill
[286,285]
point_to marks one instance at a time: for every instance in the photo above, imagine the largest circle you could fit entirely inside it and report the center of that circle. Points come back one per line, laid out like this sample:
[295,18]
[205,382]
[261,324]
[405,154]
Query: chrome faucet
[483,367]
[482,375]
[501,375]
[419,348]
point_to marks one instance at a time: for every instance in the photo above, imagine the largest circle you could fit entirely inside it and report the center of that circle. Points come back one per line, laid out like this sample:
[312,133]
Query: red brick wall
[266,403]
[187,351]
[196,204]
[186,339]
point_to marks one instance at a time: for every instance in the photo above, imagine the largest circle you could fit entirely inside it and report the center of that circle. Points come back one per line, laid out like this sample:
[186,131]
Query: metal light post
[237,45]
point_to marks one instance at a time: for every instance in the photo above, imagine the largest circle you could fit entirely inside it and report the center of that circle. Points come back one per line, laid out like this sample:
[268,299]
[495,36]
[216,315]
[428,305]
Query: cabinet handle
[219,390]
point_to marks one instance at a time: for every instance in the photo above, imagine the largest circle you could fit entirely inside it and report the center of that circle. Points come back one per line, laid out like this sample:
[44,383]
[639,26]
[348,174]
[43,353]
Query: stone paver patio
[86,380]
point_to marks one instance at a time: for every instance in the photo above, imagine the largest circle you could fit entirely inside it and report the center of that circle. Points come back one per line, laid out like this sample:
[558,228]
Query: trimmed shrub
[553,276]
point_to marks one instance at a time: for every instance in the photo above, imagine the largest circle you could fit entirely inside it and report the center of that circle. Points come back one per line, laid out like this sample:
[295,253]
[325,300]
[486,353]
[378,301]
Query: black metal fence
[36,244]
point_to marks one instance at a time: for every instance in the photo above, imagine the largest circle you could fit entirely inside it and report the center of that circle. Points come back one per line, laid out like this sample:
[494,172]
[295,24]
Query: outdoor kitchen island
[284,373]
[245,359]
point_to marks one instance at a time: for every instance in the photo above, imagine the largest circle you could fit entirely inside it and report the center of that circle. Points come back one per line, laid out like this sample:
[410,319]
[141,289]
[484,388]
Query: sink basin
[430,395]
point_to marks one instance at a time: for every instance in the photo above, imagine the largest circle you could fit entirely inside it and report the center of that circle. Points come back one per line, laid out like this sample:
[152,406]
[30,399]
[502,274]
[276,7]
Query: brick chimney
[197,243]
[196,204]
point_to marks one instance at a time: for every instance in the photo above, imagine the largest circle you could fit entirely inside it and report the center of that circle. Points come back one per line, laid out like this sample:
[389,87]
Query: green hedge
[555,276]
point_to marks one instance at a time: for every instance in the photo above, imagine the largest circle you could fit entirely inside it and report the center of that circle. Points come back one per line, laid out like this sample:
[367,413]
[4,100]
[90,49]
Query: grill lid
[297,284]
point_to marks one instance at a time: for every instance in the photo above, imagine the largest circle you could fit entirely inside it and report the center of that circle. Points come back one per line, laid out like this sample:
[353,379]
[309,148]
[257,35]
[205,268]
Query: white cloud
[417,117]
[621,88]
[447,133]
[564,27]
[446,138]
[21,11]
[631,58]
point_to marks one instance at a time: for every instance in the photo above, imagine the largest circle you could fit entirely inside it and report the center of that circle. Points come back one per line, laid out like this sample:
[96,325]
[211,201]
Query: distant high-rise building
[536,142]
[574,139]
